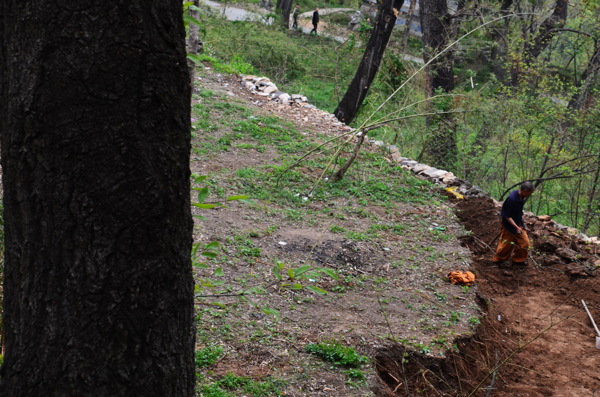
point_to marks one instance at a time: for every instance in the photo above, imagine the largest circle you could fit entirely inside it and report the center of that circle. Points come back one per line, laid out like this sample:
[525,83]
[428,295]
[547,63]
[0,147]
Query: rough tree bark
[357,91]
[94,122]
[437,32]
[285,6]
[436,24]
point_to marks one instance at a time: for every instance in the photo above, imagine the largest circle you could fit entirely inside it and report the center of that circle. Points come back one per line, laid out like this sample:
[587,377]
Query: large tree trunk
[94,121]
[441,148]
[285,6]
[348,107]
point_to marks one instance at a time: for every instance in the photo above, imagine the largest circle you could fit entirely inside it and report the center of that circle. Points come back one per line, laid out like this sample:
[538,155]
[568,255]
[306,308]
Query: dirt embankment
[535,338]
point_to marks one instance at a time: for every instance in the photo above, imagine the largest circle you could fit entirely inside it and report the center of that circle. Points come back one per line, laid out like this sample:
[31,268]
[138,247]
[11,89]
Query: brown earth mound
[535,338]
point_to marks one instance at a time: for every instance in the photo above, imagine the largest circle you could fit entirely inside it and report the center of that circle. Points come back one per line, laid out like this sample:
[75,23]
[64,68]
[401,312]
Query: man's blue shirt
[512,208]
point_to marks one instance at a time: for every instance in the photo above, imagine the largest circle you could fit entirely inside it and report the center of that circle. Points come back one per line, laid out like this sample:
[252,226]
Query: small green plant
[337,229]
[208,356]
[335,353]
[440,296]
[355,377]
[455,317]
[233,386]
[292,278]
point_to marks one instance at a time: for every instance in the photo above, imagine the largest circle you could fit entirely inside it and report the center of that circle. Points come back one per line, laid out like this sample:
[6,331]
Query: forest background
[521,103]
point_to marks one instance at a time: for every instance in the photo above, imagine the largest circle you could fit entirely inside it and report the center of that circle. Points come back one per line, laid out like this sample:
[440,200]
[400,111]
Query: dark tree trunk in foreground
[94,121]
[348,107]
[441,148]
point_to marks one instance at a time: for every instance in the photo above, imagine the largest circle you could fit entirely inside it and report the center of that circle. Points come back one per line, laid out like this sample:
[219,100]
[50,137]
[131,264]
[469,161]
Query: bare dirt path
[536,312]
[535,338]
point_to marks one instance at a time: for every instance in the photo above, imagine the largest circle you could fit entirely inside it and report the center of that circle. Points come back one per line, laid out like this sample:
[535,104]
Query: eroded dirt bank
[535,338]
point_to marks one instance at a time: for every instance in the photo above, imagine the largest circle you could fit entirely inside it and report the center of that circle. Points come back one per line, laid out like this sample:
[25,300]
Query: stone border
[264,87]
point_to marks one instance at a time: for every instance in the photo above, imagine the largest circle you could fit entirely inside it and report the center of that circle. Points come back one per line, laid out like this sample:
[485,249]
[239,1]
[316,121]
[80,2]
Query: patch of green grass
[337,229]
[208,356]
[234,386]
[335,353]
[358,236]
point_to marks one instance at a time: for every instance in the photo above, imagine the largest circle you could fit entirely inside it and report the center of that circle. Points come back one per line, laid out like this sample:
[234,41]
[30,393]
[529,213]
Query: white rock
[420,167]
[269,89]
[396,156]
[434,173]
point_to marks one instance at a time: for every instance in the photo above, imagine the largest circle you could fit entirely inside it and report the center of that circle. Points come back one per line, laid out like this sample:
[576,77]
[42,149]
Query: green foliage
[337,354]
[319,69]
[208,356]
[233,386]
[297,278]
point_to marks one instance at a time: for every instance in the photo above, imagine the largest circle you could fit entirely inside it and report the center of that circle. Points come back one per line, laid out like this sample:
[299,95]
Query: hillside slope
[391,238]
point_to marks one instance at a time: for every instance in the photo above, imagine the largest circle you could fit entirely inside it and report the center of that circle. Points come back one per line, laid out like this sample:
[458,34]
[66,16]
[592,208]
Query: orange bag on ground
[461,278]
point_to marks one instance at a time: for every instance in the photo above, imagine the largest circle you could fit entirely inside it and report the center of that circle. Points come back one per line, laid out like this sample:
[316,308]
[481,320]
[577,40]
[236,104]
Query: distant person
[514,242]
[295,15]
[315,20]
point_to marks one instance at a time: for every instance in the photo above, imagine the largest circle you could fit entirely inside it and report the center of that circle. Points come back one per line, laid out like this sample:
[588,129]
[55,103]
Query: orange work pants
[515,244]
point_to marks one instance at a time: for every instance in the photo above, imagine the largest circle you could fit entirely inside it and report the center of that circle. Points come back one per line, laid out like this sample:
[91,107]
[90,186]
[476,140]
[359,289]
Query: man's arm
[513,223]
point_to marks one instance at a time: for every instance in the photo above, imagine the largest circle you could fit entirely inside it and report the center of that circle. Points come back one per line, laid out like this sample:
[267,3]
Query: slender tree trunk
[357,91]
[94,121]
[592,201]
[285,6]
[441,148]
[437,33]
[194,44]
[498,53]
[581,98]
[406,33]
[546,32]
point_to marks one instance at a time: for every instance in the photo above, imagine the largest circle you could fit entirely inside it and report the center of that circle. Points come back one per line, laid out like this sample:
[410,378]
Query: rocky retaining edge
[263,86]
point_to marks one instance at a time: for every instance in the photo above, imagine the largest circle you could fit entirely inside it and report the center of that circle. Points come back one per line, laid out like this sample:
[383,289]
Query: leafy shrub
[208,356]
[337,354]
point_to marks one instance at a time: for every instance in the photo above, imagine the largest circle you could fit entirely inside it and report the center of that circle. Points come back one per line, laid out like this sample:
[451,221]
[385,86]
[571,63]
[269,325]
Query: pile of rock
[264,87]
[440,177]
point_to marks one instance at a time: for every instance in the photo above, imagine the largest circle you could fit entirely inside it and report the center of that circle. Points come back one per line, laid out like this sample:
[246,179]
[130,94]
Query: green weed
[234,386]
[208,356]
[337,354]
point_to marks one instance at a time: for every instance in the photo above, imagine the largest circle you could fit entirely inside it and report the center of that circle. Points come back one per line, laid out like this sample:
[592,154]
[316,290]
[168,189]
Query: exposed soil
[534,338]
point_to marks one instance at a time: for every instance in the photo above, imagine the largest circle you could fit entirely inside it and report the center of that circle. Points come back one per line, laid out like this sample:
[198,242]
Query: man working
[513,237]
